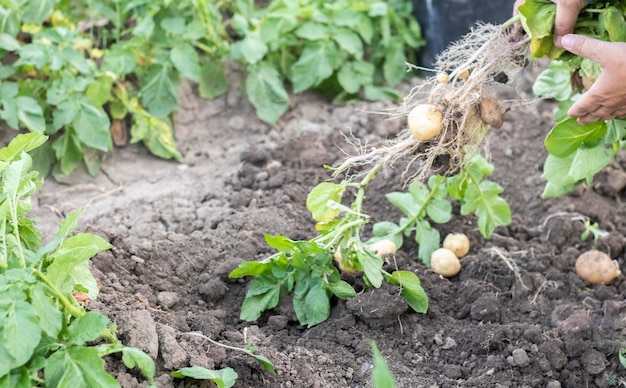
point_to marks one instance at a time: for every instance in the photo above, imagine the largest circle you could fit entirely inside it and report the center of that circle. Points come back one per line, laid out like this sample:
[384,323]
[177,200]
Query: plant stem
[71,307]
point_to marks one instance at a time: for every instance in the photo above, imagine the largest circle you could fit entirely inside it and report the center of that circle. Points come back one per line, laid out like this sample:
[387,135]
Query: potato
[457,243]
[383,247]
[464,74]
[445,263]
[345,267]
[425,121]
[491,112]
[596,267]
[443,77]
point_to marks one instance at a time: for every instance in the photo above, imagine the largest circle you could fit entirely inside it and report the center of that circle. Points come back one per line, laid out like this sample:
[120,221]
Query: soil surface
[516,316]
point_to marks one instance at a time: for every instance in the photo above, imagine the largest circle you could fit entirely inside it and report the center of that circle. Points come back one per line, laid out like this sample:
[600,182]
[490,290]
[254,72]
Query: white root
[488,56]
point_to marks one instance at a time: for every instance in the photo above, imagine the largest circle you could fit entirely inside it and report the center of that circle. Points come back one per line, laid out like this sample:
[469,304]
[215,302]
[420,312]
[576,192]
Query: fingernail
[558,41]
[567,41]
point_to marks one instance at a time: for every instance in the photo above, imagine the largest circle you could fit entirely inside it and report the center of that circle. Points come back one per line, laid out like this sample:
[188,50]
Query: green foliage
[72,70]
[381,375]
[306,269]
[576,152]
[42,327]
[224,377]
[348,49]
[429,201]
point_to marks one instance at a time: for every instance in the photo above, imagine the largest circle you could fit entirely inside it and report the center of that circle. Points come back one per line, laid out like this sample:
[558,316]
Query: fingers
[565,20]
[586,47]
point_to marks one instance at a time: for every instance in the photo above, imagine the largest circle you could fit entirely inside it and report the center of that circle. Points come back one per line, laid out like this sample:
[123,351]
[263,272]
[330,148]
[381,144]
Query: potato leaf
[317,63]
[267,93]
[318,199]
[567,136]
[381,375]
[410,289]
[77,366]
[223,378]
[133,357]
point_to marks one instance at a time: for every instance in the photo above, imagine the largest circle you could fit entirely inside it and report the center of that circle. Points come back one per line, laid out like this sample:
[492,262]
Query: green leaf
[175,25]
[590,160]
[74,251]
[50,316]
[8,43]
[160,93]
[223,378]
[213,81]
[86,328]
[381,375]
[99,92]
[30,113]
[316,64]
[119,60]
[68,150]
[394,69]
[186,61]
[133,357]
[280,243]
[349,41]
[341,289]
[156,135]
[439,210]
[613,20]
[538,18]
[372,266]
[352,75]
[411,291]
[378,8]
[92,126]
[249,50]
[265,90]
[312,31]
[248,268]
[492,210]
[267,364]
[567,136]
[405,201]
[24,142]
[36,11]
[616,130]
[77,366]
[388,231]
[20,332]
[365,28]
[263,294]
[318,199]
[316,305]
[554,82]
[428,239]
[554,171]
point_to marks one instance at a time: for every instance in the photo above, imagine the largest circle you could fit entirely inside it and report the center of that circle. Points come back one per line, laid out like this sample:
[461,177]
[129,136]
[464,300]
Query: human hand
[566,14]
[606,99]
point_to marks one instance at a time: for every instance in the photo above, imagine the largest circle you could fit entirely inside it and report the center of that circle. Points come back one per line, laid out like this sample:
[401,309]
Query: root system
[463,87]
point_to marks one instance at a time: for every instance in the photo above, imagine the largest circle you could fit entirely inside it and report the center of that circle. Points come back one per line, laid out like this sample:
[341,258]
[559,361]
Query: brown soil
[516,316]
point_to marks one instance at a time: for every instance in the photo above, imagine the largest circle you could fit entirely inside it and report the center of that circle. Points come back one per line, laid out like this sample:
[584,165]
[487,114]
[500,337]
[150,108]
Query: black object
[445,21]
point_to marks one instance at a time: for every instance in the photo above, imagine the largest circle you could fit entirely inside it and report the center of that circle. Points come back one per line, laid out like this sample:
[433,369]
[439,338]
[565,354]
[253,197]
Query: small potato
[443,78]
[425,121]
[491,112]
[445,263]
[464,74]
[383,247]
[344,267]
[596,267]
[457,243]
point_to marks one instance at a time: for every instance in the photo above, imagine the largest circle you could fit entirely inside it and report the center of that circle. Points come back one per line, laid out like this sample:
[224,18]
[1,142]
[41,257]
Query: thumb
[584,46]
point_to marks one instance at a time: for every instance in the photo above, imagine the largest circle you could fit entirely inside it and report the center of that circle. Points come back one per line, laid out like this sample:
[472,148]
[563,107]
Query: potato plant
[576,152]
[307,270]
[46,336]
[100,73]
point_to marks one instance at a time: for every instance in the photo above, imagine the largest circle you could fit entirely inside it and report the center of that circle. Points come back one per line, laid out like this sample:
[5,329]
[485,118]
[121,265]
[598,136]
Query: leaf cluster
[576,152]
[96,74]
[346,49]
[45,334]
[426,203]
[307,270]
